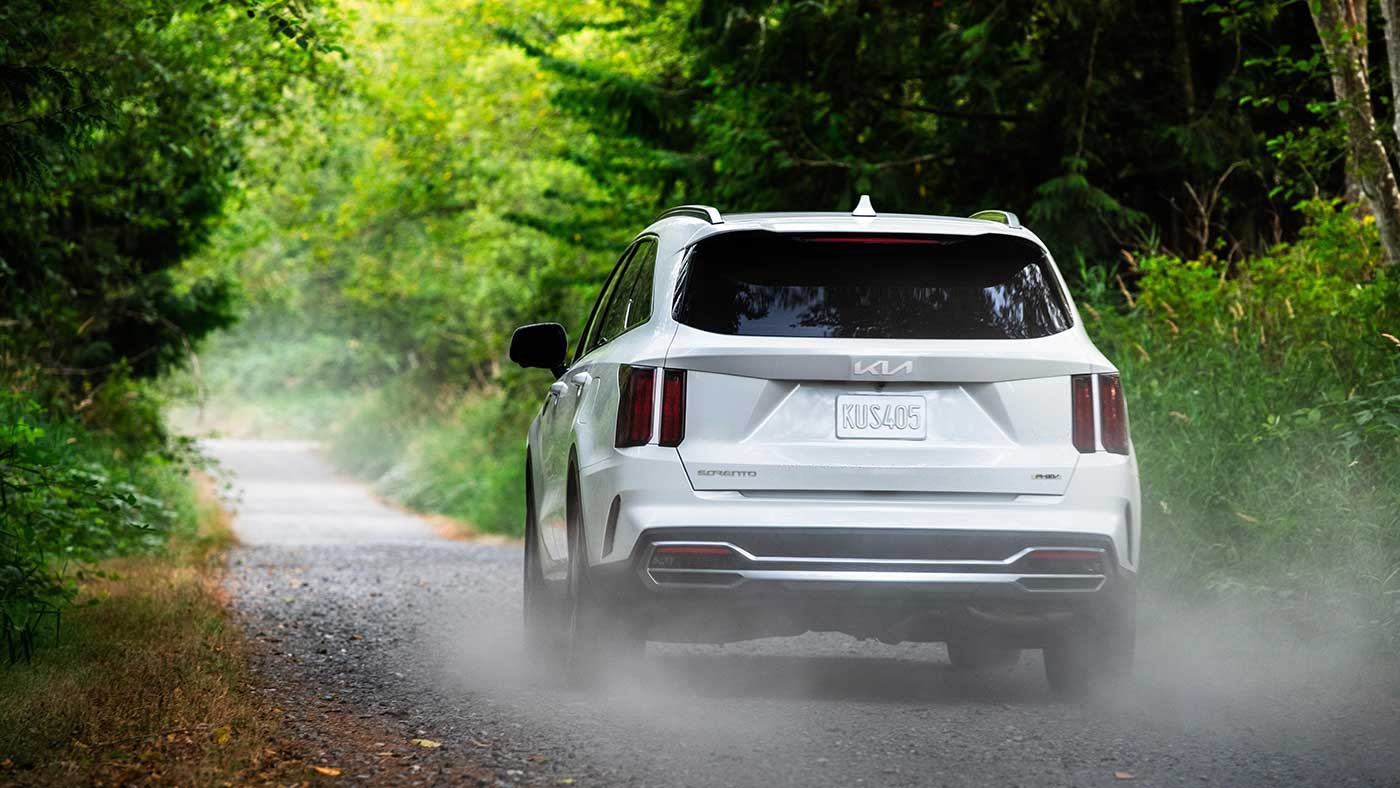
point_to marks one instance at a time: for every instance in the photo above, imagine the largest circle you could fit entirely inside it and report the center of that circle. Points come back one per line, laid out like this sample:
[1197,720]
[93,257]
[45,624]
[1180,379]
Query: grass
[149,684]
[465,461]
[1265,407]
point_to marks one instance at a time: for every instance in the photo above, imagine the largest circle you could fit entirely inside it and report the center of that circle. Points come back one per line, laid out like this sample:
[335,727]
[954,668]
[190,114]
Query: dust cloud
[1232,669]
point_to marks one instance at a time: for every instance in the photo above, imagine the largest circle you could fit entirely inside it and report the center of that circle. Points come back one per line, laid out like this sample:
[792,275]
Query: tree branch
[960,114]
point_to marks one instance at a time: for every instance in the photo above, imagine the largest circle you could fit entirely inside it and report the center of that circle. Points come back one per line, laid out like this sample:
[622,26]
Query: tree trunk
[1358,20]
[1390,10]
[1353,192]
[1344,42]
[1182,54]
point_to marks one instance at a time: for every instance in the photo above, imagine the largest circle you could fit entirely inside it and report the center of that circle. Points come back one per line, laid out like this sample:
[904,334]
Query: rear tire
[541,614]
[971,655]
[598,640]
[1092,653]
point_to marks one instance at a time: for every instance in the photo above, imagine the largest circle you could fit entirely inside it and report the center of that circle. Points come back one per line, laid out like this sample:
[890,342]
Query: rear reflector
[1113,415]
[635,386]
[693,556]
[693,550]
[1082,396]
[1063,561]
[673,407]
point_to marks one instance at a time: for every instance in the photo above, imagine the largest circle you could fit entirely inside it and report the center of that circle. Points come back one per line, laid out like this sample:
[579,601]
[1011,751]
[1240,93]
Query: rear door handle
[558,387]
[581,379]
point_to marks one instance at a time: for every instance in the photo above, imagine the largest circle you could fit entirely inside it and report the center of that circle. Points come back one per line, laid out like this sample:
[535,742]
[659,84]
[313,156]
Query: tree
[1341,25]
[427,208]
[121,128]
[1079,114]
[1390,12]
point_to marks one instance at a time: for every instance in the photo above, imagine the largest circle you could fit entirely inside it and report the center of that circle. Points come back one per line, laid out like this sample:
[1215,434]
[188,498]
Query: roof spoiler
[702,212]
[1000,217]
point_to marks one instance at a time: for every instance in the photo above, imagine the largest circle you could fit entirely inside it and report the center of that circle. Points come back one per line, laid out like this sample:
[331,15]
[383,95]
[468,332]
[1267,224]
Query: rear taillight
[1113,415]
[672,407]
[635,386]
[1082,395]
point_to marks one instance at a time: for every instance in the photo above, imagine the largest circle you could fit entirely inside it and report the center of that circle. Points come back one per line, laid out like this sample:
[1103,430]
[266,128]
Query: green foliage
[122,126]
[1099,119]
[392,237]
[395,214]
[69,497]
[1307,155]
[467,463]
[1266,416]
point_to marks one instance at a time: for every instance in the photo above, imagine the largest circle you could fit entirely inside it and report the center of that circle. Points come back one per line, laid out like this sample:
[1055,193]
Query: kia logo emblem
[881,366]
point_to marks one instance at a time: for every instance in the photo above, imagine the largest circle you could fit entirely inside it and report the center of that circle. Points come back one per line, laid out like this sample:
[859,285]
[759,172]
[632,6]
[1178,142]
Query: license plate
[887,416]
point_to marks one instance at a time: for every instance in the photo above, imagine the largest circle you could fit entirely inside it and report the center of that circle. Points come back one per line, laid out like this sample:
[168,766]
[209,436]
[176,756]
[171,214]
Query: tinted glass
[917,287]
[624,308]
[610,325]
[641,272]
[587,340]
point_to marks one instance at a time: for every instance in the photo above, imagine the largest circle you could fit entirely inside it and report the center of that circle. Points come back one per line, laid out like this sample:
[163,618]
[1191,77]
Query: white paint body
[761,448]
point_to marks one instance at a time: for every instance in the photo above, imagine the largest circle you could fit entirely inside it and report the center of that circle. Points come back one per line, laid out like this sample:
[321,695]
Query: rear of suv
[892,426]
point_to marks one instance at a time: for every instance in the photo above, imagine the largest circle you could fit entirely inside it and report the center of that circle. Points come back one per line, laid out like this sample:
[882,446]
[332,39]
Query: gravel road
[378,618]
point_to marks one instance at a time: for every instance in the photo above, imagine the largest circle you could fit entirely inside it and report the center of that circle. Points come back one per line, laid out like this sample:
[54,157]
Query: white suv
[892,426]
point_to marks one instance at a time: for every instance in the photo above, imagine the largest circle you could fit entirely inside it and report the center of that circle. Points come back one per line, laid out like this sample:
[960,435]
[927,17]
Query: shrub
[69,496]
[1265,398]
[470,465]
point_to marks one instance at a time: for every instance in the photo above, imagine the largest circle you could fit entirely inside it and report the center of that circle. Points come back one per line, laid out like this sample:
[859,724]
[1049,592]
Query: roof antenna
[864,208]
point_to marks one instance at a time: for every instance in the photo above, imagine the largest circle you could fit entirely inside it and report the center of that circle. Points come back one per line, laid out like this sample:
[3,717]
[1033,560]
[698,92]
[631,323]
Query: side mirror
[541,346]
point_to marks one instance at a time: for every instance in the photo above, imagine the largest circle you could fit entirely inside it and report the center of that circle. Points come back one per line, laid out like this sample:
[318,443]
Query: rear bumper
[630,497]
[890,584]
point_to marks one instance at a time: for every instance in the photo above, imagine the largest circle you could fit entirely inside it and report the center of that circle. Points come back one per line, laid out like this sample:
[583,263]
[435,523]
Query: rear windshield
[892,287]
